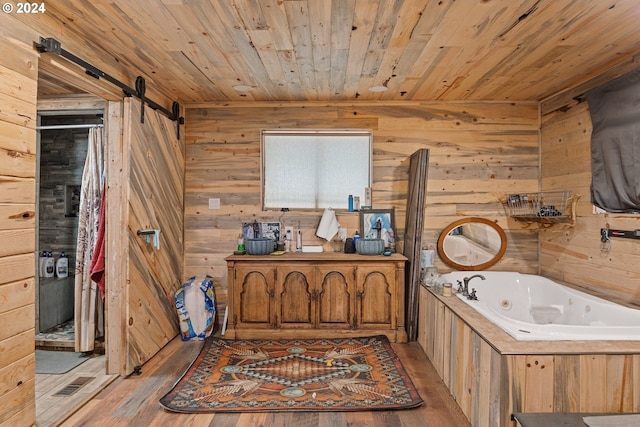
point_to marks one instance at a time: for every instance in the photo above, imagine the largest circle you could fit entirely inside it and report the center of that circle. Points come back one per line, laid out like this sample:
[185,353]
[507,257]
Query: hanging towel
[97,262]
[328,226]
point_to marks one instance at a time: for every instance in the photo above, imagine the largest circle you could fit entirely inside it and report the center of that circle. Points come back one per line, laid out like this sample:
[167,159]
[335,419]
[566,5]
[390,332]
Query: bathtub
[530,307]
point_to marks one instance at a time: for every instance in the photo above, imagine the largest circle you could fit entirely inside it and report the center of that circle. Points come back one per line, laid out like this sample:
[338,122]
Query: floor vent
[74,386]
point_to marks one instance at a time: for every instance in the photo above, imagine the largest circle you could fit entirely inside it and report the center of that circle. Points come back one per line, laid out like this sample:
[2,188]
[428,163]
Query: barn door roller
[51,45]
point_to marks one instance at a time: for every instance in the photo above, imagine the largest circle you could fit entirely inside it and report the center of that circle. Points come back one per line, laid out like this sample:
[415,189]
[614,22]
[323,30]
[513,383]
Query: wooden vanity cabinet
[315,295]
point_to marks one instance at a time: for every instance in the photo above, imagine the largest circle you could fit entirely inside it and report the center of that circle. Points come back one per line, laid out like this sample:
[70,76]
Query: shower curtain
[89,313]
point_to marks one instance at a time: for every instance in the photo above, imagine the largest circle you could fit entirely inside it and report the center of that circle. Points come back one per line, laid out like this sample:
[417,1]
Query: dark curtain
[615,144]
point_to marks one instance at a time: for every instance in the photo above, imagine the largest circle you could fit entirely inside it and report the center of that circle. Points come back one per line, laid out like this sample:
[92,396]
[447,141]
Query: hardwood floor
[133,401]
[58,396]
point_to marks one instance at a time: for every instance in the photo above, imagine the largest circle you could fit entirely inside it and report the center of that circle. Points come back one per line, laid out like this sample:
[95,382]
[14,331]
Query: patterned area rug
[345,374]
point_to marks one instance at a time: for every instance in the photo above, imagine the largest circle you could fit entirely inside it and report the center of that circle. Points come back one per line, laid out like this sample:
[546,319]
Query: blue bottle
[350,203]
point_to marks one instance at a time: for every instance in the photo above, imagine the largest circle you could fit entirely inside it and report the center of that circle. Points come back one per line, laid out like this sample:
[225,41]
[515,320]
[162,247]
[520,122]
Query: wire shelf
[550,205]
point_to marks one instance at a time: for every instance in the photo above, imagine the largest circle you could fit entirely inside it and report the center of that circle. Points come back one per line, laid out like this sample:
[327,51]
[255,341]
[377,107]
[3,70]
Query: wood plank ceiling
[329,50]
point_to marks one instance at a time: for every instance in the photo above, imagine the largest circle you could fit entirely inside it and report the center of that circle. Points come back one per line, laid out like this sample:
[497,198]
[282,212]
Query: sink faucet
[466,280]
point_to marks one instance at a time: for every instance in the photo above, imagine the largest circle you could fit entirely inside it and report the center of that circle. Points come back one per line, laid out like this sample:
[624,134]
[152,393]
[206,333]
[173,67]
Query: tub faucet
[466,280]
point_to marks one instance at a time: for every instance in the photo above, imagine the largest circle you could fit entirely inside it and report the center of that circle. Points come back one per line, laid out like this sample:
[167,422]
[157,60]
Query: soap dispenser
[49,266]
[62,266]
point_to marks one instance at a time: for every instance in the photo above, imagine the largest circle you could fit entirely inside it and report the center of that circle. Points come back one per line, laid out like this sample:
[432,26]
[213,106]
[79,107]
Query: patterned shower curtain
[89,313]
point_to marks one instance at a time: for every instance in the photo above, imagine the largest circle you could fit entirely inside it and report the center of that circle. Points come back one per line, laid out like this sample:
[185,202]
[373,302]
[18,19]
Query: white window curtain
[314,169]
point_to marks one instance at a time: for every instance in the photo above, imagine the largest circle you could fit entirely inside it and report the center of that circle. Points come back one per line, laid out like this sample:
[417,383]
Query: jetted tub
[530,307]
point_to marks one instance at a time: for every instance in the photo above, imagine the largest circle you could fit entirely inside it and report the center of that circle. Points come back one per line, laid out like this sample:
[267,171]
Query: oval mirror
[472,244]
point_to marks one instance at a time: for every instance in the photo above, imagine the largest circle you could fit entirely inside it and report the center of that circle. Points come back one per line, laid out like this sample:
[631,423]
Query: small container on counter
[447,289]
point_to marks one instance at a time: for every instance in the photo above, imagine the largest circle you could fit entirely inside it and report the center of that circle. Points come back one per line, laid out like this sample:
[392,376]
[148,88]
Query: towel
[96,270]
[328,226]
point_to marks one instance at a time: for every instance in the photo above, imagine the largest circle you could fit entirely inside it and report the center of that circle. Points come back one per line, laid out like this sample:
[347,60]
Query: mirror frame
[455,224]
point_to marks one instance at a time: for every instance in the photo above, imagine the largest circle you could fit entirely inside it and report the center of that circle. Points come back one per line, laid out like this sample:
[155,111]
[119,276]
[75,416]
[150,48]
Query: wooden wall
[19,73]
[478,152]
[573,255]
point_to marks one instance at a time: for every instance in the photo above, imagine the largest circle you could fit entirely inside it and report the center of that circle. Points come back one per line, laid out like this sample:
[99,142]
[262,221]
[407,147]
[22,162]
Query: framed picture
[270,230]
[255,230]
[376,224]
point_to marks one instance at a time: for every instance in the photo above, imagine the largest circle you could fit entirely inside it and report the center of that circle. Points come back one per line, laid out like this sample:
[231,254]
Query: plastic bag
[195,304]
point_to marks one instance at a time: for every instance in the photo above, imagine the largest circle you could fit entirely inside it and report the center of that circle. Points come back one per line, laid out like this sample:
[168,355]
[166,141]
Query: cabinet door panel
[295,295]
[254,296]
[376,296]
[336,299]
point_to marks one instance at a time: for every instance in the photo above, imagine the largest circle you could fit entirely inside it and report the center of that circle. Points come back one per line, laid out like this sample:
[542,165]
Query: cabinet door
[295,297]
[376,297]
[335,286]
[254,296]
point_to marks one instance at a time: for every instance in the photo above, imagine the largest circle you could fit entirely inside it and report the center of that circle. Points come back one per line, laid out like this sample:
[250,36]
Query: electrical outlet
[288,233]
[214,203]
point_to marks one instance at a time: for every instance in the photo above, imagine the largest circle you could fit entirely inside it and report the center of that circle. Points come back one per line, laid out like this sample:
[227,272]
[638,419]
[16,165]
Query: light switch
[214,203]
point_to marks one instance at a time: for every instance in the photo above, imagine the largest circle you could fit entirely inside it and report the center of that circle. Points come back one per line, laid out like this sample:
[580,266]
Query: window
[314,169]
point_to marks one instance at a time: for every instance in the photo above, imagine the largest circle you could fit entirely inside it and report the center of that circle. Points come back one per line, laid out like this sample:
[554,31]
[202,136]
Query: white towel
[329,225]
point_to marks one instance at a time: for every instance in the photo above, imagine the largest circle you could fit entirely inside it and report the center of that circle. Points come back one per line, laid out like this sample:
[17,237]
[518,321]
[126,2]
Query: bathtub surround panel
[476,151]
[491,375]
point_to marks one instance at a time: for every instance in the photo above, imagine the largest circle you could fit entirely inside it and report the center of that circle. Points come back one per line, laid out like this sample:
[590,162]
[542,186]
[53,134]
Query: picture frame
[368,220]
[256,230]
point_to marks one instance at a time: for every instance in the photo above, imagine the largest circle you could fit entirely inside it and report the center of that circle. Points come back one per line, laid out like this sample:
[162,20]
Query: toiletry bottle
[49,266]
[43,265]
[41,261]
[356,203]
[356,236]
[350,203]
[62,266]
[299,239]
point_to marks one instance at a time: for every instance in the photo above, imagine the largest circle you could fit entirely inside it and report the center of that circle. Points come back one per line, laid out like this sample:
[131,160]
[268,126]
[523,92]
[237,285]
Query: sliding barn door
[155,202]
[417,190]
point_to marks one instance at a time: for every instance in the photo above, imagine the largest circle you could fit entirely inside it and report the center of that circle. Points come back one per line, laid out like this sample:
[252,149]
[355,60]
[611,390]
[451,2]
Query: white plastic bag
[195,304]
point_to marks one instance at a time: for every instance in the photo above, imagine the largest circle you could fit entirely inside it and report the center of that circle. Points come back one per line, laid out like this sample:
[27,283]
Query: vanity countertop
[318,256]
